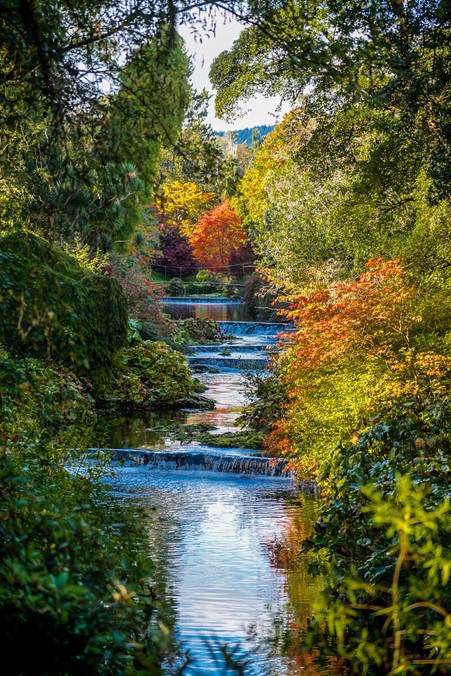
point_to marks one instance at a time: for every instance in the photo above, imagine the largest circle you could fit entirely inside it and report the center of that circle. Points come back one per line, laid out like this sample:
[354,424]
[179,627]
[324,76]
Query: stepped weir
[201,461]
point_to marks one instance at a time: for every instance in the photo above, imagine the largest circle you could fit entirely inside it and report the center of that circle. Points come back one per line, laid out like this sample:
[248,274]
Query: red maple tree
[218,236]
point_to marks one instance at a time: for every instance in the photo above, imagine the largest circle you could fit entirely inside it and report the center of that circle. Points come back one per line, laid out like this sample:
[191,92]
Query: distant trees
[176,252]
[182,203]
[219,235]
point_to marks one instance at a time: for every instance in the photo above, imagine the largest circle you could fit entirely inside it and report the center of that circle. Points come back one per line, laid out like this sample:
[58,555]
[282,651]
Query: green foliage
[73,593]
[390,56]
[243,439]
[94,263]
[81,130]
[176,287]
[54,395]
[71,578]
[197,156]
[384,541]
[154,375]
[82,322]
[199,331]
[266,400]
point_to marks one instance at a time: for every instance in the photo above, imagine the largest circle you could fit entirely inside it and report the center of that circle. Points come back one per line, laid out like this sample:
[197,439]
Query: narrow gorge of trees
[115,192]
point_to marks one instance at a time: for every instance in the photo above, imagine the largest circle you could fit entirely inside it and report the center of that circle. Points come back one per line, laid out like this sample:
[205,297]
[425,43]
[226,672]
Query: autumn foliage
[372,315]
[176,251]
[352,352]
[218,237]
[181,205]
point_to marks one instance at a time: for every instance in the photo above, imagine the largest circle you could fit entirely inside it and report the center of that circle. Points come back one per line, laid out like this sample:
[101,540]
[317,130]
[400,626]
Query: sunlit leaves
[218,235]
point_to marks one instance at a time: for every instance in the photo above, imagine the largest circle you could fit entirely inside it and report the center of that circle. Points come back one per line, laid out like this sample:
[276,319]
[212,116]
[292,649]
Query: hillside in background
[245,135]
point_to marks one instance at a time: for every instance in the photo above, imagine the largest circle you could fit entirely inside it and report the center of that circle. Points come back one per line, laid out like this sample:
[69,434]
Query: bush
[154,375]
[52,307]
[200,288]
[383,543]
[266,400]
[73,596]
[198,330]
[71,600]
[54,395]
[176,287]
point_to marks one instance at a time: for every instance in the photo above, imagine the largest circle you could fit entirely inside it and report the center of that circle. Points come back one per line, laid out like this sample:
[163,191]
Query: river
[224,543]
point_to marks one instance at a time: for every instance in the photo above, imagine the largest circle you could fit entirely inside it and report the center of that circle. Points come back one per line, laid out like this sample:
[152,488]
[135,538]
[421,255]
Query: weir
[255,328]
[241,347]
[200,301]
[230,363]
[201,461]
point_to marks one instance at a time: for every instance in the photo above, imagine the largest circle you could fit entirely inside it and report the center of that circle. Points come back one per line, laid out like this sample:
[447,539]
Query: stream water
[221,540]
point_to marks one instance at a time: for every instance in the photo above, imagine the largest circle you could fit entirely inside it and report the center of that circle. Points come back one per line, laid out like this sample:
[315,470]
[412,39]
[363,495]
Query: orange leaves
[372,316]
[350,351]
[218,235]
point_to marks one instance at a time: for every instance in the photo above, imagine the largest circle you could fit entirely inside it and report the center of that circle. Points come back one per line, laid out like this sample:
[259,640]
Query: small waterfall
[201,461]
[255,328]
[201,301]
[241,347]
[230,363]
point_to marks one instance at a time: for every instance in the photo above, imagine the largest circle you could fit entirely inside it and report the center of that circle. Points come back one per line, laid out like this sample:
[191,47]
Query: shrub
[198,330]
[383,543]
[54,395]
[176,287]
[266,399]
[72,579]
[73,596]
[52,307]
[154,375]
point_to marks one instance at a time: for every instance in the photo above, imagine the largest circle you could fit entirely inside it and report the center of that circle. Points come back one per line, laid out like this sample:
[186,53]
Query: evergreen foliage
[52,307]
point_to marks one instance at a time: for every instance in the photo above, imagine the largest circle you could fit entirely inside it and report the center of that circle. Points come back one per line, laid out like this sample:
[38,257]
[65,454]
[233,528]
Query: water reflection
[221,312]
[213,539]
[226,546]
[147,431]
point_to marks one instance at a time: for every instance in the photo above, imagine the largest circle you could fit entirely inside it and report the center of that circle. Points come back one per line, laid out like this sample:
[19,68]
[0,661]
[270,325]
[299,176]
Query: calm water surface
[225,545]
[221,312]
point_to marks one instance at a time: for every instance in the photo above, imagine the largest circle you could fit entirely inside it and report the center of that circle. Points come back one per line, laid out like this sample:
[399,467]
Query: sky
[261,110]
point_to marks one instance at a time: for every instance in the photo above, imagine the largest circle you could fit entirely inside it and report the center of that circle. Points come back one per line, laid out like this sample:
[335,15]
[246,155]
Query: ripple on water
[209,535]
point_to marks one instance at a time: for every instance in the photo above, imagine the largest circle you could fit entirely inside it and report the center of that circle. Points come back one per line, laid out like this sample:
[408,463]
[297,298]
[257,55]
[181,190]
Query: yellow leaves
[122,594]
[90,262]
[182,204]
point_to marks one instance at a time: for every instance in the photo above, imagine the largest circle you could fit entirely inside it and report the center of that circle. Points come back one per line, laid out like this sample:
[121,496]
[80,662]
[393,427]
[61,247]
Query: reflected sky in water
[211,536]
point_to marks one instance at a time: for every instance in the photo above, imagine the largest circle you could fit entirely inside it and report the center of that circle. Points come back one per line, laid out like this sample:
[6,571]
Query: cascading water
[254,328]
[220,367]
[199,460]
[214,517]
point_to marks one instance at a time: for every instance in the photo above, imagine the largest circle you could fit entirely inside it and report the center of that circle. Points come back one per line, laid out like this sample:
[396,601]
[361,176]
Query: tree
[81,129]
[357,345]
[218,235]
[197,156]
[176,252]
[181,204]
[392,56]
